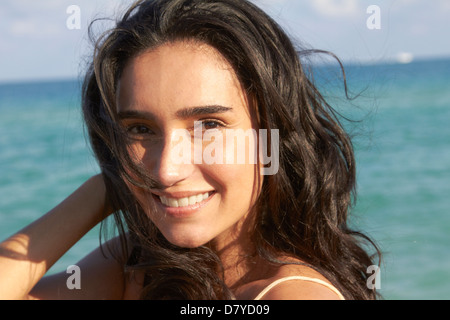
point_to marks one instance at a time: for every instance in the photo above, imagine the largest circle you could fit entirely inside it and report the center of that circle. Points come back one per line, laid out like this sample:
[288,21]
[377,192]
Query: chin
[187,241]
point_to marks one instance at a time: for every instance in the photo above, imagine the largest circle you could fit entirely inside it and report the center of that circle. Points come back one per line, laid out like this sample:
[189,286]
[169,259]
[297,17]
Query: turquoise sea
[402,146]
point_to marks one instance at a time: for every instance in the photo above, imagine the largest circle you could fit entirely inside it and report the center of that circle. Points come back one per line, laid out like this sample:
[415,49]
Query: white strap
[273,284]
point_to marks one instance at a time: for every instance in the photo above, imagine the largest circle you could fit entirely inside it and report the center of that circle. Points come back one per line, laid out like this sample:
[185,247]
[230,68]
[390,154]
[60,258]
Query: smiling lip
[180,205]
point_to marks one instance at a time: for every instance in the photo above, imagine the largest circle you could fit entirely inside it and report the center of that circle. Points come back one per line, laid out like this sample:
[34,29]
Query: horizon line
[319,62]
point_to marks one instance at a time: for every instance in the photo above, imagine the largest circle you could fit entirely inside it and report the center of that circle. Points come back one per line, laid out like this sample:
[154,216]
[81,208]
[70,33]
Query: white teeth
[193,200]
[183,202]
[172,202]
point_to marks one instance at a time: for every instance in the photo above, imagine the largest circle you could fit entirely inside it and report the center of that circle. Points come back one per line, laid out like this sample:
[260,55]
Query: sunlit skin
[161,91]
[167,89]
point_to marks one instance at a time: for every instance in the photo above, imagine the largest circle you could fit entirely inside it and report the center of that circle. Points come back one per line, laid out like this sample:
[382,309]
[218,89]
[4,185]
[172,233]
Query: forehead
[176,75]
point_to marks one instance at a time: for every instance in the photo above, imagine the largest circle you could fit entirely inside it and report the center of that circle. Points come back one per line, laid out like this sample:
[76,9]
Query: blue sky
[35,42]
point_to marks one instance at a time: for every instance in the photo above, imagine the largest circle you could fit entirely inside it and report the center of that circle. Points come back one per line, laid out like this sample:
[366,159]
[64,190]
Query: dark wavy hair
[302,210]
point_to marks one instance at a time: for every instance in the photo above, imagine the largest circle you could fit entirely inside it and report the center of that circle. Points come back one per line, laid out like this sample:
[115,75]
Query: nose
[171,163]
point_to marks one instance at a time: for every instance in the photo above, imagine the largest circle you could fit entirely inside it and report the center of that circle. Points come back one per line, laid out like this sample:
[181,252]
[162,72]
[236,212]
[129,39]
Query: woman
[194,70]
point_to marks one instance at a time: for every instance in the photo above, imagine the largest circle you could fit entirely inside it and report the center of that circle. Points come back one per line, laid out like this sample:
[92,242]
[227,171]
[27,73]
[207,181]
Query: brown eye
[139,131]
[212,124]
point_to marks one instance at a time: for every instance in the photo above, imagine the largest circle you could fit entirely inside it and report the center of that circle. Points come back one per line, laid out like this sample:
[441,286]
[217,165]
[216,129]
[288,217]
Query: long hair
[302,210]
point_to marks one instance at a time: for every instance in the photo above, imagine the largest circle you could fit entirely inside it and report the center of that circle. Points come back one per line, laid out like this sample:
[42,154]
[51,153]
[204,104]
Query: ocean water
[44,155]
[402,142]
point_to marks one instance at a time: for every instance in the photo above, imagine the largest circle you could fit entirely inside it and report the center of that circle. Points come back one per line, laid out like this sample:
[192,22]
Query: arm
[100,277]
[27,255]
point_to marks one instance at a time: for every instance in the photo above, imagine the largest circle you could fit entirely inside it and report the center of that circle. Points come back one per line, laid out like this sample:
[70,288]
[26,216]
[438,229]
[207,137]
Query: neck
[239,258]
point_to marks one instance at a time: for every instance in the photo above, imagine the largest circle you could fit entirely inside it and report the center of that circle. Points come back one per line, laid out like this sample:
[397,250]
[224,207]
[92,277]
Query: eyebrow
[183,113]
[135,114]
[201,110]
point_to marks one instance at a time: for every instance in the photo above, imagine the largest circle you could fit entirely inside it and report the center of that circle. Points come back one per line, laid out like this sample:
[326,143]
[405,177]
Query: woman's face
[177,103]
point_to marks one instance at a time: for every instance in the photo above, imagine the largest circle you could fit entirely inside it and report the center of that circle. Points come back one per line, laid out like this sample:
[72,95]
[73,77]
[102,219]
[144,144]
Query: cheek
[235,169]
[141,162]
[144,198]
[138,151]
[237,184]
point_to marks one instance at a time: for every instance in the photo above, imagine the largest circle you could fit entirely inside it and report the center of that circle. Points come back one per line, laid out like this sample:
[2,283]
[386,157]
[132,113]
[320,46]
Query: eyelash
[135,130]
[217,124]
[139,131]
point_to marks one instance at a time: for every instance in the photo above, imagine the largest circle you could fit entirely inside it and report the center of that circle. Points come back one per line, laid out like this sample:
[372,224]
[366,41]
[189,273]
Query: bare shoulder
[298,282]
[298,289]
